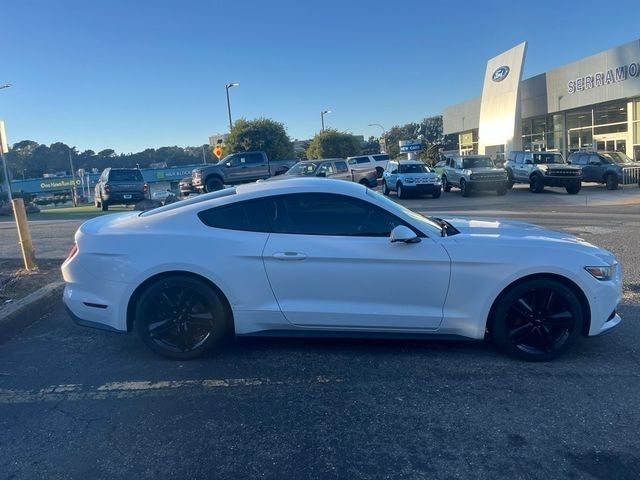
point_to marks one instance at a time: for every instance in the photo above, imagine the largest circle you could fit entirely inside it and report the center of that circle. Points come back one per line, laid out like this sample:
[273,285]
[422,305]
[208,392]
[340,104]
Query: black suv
[610,168]
[119,186]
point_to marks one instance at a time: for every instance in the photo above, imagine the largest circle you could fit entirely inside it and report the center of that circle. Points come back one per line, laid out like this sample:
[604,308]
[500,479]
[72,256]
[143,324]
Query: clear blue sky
[132,74]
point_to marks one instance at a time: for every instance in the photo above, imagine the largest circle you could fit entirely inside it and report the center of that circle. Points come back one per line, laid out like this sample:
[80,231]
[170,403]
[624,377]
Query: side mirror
[228,164]
[393,172]
[403,234]
[321,174]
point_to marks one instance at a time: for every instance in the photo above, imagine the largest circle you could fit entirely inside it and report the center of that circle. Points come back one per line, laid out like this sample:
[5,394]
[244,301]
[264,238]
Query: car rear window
[191,201]
[125,176]
[381,158]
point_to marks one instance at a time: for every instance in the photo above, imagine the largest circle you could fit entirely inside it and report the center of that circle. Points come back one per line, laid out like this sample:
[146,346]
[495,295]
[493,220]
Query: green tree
[262,134]
[333,144]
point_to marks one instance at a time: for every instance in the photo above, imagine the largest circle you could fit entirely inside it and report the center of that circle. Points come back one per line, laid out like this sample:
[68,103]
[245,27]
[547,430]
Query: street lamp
[227,87]
[322,114]
[384,140]
[6,85]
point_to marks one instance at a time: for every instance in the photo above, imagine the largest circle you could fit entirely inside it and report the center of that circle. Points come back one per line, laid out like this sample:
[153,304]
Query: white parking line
[116,390]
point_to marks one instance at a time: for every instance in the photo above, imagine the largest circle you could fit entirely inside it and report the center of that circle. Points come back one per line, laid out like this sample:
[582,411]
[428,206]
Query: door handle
[289,256]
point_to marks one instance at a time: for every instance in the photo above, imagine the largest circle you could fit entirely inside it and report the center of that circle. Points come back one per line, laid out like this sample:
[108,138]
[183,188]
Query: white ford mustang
[322,257]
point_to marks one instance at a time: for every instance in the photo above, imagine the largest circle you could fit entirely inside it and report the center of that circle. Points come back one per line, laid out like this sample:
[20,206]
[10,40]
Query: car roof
[323,160]
[408,162]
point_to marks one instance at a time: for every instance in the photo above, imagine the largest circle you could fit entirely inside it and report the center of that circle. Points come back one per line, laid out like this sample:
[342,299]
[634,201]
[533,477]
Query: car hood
[509,229]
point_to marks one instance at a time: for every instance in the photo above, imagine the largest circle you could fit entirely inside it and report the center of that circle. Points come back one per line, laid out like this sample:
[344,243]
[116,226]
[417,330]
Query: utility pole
[5,148]
[74,191]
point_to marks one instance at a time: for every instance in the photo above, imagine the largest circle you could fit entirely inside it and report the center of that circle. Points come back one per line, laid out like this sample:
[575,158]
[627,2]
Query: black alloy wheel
[180,317]
[536,184]
[379,172]
[611,180]
[437,193]
[538,320]
[446,186]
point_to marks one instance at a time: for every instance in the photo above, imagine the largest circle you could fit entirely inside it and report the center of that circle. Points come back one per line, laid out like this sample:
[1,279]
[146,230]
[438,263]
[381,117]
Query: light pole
[322,114]
[4,162]
[384,140]
[227,87]
[6,85]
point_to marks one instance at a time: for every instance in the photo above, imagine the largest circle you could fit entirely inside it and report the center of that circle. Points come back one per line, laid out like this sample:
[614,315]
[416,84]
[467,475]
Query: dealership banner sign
[599,79]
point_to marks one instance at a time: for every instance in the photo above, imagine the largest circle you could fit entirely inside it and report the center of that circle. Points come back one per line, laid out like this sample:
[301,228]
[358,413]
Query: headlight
[601,273]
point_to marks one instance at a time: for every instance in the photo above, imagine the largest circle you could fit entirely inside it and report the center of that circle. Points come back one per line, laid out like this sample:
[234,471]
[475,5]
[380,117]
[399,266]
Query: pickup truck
[335,168]
[238,168]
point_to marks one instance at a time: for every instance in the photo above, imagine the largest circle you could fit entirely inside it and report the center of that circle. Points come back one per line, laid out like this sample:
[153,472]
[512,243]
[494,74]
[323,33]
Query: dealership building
[591,104]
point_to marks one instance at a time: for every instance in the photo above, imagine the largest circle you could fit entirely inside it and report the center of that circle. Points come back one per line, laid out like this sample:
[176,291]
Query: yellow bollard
[24,234]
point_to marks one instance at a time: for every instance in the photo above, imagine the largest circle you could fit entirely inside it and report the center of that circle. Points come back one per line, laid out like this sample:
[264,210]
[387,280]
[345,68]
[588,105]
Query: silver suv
[474,172]
[410,176]
[543,169]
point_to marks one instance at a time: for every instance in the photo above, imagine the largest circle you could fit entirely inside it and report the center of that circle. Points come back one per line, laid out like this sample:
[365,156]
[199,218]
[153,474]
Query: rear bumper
[123,197]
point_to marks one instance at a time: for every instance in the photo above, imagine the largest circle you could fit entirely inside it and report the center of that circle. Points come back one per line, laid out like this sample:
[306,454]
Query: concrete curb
[27,310]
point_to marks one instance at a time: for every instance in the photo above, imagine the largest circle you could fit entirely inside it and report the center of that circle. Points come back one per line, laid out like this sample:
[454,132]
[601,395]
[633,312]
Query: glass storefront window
[578,119]
[610,113]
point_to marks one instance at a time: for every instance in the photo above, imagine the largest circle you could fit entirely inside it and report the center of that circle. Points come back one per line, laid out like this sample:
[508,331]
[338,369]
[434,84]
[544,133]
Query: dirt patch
[17,283]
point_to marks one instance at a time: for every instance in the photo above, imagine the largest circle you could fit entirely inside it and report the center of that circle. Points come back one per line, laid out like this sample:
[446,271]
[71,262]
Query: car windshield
[191,201]
[477,162]
[545,158]
[616,157]
[426,224]
[413,168]
[305,168]
[125,176]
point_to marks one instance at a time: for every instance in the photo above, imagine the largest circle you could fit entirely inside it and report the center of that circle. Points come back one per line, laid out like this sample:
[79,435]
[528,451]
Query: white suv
[378,161]
[410,176]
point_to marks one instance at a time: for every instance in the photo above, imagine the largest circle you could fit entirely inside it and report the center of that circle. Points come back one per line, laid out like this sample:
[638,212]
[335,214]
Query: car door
[391,175]
[592,168]
[342,171]
[327,255]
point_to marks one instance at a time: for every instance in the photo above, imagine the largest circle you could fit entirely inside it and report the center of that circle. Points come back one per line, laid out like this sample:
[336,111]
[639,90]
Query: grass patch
[75,213]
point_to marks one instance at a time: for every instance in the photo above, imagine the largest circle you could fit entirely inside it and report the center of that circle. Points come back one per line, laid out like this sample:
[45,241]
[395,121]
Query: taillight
[73,252]
[146,187]
[107,188]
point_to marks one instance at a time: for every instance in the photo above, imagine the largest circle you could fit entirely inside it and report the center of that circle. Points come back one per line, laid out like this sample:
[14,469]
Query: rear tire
[611,180]
[400,191]
[181,318]
[103,205]
[510,181]
[537,320]
[573,189]
[214,184]
[446,186]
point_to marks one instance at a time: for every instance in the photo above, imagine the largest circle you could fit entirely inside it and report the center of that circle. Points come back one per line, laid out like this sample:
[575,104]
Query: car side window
[519,158]
[329,214]
[254,158]
[594,160]
[326,168]
[458,163]
[362,160]
[251,216]
[579,159]
[341,167]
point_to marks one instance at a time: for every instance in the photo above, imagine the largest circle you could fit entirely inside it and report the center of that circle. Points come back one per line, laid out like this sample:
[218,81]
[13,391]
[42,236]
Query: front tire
[464,188]
[573,189]
[611,181]
[181,317]
[400,191]
[385,189]
[103,205]
[437,194]
[537,320]
[536,184]
[446,186]
[510,181]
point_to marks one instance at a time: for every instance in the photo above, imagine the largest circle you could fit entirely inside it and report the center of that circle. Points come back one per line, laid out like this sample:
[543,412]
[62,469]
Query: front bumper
[609,326]
[551,181]
[427,188]
[488,184]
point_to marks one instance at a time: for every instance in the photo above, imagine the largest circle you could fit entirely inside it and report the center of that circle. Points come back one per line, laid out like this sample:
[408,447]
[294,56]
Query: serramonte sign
[599,79]
[58,184]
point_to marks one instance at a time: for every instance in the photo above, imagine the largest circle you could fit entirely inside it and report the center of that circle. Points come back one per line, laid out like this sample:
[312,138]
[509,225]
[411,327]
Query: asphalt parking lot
[79,403]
